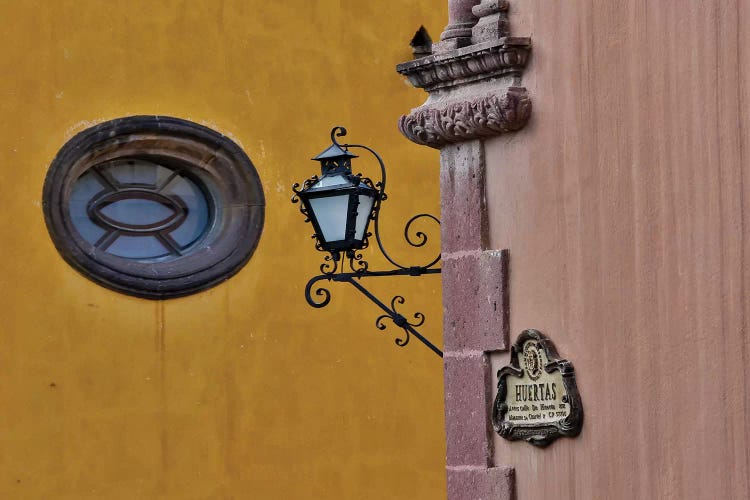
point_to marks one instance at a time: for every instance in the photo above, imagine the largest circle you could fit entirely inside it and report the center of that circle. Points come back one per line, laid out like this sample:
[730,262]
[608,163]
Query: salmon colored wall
[242,391]
[623,203]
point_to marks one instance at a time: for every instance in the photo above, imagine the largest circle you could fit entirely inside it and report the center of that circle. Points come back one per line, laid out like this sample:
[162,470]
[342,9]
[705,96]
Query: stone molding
[466,119]
[506,56]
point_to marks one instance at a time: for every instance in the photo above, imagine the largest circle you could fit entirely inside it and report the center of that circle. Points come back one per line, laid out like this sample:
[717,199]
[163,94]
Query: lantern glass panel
[363,214]
[331,212]
[332,181]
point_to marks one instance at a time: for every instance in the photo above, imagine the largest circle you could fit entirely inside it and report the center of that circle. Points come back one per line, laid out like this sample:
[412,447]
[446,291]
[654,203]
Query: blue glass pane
[86,187]
[138,247]
[138,212]
[139,172]
[151,211]
[196,222]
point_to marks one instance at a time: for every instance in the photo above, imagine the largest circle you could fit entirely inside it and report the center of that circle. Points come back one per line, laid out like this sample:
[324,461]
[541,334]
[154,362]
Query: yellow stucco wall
[242,391]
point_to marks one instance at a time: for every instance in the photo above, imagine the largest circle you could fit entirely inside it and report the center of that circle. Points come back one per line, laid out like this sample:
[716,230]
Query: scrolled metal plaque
[537,397]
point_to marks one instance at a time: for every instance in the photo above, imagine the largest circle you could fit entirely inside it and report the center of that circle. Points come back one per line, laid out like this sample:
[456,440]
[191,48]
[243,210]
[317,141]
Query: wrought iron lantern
[340,206]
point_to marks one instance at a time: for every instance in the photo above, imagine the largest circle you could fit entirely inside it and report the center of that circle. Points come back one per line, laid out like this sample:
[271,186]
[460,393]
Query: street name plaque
[537,397]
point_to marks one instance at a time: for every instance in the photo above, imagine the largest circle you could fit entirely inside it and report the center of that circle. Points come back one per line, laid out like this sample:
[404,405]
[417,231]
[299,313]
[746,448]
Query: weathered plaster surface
[242,391]
[624,205]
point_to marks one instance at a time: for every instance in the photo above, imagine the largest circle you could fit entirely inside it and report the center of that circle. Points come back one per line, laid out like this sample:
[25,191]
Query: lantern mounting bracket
[347,252]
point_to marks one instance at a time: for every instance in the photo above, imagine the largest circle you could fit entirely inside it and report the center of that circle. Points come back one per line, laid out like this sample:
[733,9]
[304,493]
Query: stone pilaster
[473,77]
[475,323]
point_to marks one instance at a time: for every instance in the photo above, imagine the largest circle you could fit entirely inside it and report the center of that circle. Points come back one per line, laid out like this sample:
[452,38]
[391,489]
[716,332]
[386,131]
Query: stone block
[452,44]
[462,206]
[494,483]
[493,21]
[467,410]
[475,301]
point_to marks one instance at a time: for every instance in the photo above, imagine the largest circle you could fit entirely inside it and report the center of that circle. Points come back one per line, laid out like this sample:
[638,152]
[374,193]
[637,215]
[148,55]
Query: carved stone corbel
[475,90]
[466,119]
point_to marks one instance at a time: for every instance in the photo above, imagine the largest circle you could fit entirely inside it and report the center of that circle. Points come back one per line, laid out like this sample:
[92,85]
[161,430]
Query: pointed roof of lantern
[334,151]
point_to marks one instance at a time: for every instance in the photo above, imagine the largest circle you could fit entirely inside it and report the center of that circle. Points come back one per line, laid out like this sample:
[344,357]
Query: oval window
[154,206]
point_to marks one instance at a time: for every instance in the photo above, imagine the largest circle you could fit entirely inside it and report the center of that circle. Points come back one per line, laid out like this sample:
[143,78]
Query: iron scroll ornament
[350,267]
[538,434]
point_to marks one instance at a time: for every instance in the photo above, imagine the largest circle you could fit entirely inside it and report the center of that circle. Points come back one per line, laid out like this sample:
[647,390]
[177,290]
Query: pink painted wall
[623,204]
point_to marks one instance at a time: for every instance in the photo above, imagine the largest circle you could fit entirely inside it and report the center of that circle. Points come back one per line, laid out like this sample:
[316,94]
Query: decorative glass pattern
[154,206]
[139,210]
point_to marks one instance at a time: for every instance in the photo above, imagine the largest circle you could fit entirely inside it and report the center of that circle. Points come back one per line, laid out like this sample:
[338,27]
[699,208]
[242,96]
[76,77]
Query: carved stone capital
[475,89]
[442,123]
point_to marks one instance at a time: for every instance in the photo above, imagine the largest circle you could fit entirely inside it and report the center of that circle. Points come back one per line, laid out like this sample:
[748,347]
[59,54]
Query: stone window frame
[206,155]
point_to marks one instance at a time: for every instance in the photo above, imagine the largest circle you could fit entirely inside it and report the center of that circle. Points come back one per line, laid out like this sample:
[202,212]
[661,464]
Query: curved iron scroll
[332,268]
[319,296]
[422,237]
[399,320]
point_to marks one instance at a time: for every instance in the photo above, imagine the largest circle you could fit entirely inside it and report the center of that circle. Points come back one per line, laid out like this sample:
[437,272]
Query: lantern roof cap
[334,151]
